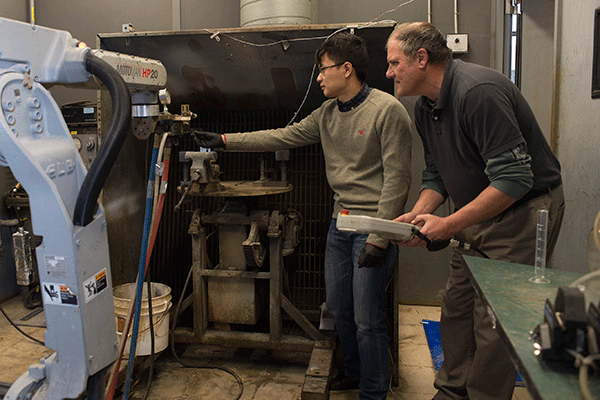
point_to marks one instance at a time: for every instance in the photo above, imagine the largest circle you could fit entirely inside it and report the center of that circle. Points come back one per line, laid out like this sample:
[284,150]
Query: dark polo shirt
[480,113]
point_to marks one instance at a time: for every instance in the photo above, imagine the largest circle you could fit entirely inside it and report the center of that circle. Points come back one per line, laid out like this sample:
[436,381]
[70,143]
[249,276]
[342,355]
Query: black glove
[371,256]
[209,140]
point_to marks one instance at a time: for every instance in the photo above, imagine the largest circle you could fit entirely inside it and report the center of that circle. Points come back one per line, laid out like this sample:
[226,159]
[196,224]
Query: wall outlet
[127,28]
[458,42]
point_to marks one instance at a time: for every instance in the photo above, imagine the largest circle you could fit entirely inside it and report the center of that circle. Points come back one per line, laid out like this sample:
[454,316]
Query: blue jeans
[356,298]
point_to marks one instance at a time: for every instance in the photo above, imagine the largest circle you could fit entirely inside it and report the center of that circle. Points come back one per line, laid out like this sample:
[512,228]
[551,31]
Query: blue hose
[140,279]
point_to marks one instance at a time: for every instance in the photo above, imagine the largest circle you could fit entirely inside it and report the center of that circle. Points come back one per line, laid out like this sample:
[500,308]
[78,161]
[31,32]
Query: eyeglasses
[322,69]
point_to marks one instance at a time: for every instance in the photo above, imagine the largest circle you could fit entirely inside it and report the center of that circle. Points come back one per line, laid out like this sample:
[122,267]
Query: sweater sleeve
[299,134]
[395,129]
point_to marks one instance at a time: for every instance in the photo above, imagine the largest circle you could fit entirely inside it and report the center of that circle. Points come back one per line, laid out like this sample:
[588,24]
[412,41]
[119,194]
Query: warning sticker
[66,296]
[58,294]
[95,285]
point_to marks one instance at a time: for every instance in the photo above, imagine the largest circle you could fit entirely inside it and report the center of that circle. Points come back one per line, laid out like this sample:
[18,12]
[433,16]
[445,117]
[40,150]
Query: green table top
[518,305]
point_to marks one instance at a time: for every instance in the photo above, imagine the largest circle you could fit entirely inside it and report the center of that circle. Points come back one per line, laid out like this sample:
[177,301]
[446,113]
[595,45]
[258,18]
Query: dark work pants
[476,363]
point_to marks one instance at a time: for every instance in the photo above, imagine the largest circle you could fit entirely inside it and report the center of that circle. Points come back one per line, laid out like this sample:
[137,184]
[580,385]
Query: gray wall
[18,10]
[577,128]
[538,44]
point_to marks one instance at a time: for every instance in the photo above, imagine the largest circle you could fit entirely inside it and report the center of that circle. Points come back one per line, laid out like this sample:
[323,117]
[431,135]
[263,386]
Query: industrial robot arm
[73,258]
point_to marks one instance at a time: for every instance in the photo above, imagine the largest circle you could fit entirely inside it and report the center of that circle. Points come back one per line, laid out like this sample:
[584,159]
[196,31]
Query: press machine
[248,277]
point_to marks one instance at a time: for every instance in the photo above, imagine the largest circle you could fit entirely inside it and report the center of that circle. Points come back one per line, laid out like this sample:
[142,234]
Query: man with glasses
[366,139]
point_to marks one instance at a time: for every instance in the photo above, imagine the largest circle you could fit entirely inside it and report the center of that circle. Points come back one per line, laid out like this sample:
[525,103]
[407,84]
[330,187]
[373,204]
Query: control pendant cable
[86,204]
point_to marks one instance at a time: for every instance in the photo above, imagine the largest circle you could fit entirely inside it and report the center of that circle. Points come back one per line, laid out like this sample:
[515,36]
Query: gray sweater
[367,153]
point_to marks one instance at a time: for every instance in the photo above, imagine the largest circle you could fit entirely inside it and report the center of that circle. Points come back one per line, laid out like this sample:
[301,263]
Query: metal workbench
[518,305]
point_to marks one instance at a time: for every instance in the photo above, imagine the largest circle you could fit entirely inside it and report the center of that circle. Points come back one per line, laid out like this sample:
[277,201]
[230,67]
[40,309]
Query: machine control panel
[87,144]
[81,119]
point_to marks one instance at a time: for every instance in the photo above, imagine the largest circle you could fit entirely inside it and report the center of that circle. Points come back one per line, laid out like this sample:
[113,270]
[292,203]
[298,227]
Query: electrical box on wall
[458,42]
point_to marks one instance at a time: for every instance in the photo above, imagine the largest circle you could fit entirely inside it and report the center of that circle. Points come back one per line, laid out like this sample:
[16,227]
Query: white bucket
[161,304]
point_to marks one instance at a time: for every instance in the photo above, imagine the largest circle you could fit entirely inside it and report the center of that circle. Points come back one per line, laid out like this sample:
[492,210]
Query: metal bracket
[28,80]
[254,251]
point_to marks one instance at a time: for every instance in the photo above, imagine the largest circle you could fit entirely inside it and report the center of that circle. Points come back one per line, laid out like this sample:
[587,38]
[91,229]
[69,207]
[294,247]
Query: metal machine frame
[230,292]
[275,339]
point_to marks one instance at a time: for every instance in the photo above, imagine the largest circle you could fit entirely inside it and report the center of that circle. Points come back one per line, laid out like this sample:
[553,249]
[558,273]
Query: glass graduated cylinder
[539,269]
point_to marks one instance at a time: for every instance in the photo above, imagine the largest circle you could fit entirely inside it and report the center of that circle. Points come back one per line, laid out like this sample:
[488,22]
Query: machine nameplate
[56,266]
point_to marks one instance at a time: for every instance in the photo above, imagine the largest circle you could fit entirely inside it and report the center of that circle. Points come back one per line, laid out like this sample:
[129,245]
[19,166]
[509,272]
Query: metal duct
[275,12]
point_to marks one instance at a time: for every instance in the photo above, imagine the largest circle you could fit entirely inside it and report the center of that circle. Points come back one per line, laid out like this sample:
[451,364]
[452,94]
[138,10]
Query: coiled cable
[86,204]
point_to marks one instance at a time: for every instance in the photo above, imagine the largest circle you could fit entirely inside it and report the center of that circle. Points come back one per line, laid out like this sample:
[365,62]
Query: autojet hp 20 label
[55,293]
[95,285]
[135,71]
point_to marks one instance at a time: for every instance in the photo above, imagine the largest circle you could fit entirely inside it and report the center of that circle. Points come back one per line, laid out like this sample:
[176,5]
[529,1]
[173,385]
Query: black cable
[33,299]
[479,251]
[432,245]
[20,330]
[467,246]
[111,145]
[192,365]
[435,245]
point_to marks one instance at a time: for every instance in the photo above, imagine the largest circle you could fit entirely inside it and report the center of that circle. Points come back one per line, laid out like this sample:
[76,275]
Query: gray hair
[413,36]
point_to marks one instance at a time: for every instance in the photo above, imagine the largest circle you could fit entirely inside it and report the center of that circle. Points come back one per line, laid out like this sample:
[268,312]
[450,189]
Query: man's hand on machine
[209,140]
[371,256]
[430,226]
[415,241]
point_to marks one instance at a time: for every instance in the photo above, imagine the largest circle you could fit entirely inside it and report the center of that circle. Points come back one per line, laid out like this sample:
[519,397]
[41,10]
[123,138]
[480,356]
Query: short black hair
[345,46]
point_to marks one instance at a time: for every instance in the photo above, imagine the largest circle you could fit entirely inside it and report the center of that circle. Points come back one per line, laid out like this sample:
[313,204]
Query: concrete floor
[266,375]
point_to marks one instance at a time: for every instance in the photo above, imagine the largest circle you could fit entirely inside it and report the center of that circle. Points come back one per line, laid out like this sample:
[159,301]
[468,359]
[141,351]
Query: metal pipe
[455,16]
[429,15]
[497,36]
[176,12]
[556,81]
[32,12]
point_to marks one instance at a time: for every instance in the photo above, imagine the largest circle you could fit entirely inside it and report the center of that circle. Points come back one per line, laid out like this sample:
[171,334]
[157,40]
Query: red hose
[159,208]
